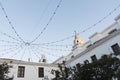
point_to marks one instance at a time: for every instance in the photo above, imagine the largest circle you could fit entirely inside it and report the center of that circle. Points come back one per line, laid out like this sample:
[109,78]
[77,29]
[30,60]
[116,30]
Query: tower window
[44,60]
[116,49]
[77,41]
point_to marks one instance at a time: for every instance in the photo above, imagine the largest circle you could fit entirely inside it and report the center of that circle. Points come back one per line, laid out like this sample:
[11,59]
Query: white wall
[31,72]
[104,48]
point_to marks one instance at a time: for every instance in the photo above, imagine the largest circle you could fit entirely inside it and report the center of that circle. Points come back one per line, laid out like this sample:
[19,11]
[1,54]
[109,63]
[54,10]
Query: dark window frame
[44,60]
[40,72]
[21,72]
[93,58]
[116,49]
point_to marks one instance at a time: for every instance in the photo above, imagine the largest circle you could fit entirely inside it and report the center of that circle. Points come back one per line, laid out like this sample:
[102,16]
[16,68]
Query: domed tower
[77,41]
[43,59]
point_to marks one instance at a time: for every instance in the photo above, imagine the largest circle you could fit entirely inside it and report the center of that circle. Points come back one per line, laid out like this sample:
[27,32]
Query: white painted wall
[31,72]
[104,48]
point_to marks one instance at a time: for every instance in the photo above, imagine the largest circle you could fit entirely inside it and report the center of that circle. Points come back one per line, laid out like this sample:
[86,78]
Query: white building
[22,70]
[100,43]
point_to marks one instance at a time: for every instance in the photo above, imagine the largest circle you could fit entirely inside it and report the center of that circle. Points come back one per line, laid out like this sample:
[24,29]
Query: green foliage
[106,68]
[63,72]
[4,70]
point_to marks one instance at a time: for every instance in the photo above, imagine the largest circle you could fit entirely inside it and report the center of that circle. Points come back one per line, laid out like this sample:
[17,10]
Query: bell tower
[43,59]
[77,41]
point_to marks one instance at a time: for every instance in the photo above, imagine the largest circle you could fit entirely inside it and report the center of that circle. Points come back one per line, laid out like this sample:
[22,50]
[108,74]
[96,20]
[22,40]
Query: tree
[105,68]
[62,73]
[4,70]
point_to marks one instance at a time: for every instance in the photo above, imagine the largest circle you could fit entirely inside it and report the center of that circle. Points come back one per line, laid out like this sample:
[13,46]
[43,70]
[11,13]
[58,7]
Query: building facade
[100,43]
[22,70]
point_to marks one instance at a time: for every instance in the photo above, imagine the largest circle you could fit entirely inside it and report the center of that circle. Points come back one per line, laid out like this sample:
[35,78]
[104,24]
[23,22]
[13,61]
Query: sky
[29,17]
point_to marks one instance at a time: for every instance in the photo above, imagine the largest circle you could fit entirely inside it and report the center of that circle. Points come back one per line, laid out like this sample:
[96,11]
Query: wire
[11,50]
[43,13]
[38,50]
[59,40]
[54,49]
[18,52]
[53,45]
[50,56]
[34,52]
[94,25]
[8,45]
[9,36]
[7,49]
[22,56]
[10,23]
[51,18]
[23,53]
[9,42]
[32,59]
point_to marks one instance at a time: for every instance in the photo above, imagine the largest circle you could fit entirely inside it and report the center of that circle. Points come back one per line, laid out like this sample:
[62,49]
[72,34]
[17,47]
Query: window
[21,71]
[86,62]
[116,49]
[72,56]
[78,66]
[40,72]
[93,58]
[44,60]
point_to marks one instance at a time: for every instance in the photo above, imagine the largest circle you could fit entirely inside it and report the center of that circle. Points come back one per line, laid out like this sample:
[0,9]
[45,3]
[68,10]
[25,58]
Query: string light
[15,53]
[54,49]
[41,50]
[94,25]
[10,23]
[30,47]
[5,34]
[53,45]
[9,42]
[8,52]
[48,22]
[34,52]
